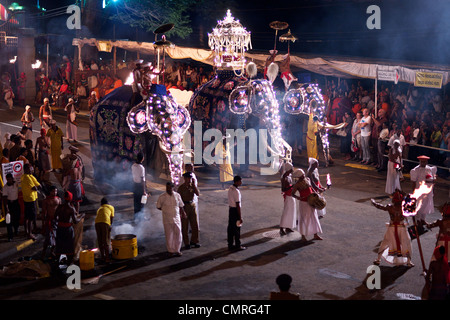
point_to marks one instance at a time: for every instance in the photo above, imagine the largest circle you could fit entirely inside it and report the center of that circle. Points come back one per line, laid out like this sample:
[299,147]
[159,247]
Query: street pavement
[334,268]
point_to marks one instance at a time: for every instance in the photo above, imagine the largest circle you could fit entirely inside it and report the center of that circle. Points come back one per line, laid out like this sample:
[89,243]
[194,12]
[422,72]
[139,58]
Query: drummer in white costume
[171,205]
[314,178]
[289,215]
[308,220]
[394,166]
[424,173]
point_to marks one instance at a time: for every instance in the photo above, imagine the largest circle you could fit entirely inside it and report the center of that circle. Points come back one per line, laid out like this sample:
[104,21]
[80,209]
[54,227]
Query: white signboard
[15,168]
[387,75]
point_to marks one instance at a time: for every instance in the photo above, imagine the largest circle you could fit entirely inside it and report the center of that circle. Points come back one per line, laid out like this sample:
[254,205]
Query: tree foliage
[150,14]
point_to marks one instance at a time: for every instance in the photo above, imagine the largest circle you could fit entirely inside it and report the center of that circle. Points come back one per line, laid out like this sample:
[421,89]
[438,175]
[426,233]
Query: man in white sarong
[171,205]
[308,220]
[395,164]
[314,178]
[423,173]
[396,246]
[71,124]
[289,216]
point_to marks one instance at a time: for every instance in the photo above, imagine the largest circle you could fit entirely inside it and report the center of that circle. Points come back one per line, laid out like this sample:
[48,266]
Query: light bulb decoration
[229,40]
[163,117]
[230,98]
[314,103]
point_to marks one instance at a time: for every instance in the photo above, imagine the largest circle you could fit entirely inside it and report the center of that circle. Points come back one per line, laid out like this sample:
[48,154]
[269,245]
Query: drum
[316,201]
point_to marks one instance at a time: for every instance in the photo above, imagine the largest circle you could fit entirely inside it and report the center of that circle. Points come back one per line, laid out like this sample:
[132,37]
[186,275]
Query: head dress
[68,196]
[397,196]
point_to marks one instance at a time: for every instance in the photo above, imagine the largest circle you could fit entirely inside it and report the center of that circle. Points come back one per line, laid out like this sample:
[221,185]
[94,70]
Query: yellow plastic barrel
[124,246]
[87,260]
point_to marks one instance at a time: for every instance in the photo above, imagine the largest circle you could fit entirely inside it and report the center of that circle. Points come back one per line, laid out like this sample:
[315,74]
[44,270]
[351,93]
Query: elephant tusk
[331,126]
[188,152]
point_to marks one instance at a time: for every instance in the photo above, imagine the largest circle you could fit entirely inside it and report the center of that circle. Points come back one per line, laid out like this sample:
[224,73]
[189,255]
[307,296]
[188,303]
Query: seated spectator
[94,65]
[81,90]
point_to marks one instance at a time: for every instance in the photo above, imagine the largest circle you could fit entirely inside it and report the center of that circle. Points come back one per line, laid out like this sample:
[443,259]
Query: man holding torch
[396,240]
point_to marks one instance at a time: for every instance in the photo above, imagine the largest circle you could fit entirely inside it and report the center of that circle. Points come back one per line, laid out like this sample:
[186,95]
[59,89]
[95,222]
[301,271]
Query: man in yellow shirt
[29,186]
[103,221]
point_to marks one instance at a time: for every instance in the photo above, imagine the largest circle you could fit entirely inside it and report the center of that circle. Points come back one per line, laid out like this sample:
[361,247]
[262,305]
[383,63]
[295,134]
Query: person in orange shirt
[385,105]
[117,84]
[357,107]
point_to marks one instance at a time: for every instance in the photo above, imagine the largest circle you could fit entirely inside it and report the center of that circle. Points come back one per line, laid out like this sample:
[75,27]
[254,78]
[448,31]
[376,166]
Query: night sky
[411,30]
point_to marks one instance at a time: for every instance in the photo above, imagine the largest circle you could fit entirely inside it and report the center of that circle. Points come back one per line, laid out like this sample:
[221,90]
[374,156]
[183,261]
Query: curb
[20,247]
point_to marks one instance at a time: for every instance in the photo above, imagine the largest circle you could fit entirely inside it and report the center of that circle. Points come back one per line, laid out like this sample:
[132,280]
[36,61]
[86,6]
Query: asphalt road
[332,269]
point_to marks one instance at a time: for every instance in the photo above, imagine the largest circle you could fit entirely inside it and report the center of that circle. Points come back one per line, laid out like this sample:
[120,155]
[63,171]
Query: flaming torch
[36,65]
[411,205]
[130,79]
[328,181]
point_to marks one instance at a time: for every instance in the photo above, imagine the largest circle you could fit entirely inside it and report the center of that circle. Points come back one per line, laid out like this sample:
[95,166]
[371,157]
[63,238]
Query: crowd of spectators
[418,117]
[97,78]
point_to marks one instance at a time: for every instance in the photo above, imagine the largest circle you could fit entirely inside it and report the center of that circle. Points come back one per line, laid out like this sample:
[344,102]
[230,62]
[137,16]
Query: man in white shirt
[423,173]
[10,194]
[234,215]
[366,129]
[81,90]
[397,136]
[171,205]
[139,187]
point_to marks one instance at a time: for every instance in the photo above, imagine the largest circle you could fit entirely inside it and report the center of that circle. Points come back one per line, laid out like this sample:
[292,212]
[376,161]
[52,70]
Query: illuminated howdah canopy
[229,40]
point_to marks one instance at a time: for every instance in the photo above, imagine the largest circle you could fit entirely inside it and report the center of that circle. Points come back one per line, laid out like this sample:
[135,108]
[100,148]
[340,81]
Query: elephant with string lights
[160,115]
[306,100]
[233,101]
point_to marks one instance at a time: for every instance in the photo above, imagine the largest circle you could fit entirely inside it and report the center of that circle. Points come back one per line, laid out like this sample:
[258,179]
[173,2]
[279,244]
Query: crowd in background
[421,116]
[418,117]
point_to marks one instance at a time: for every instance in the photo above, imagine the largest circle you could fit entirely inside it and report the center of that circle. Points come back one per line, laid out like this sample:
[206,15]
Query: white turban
[298,173]
[312,161]
[286,167]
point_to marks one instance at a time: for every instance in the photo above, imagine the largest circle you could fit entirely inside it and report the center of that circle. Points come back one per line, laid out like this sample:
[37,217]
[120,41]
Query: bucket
[87,260]
[124,246]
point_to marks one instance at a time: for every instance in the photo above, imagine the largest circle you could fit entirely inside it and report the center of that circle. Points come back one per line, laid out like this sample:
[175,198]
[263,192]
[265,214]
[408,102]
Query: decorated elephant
[119,131]
[160,115]
[231,101]
[307,100]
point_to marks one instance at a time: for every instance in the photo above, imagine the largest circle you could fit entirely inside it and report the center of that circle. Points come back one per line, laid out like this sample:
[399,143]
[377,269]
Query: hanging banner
[428,79]
[104,46]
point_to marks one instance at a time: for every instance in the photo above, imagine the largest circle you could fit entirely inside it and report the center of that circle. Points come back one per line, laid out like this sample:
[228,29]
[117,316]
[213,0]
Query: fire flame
[129,80]
[412,204]
[328,180]
[36,65]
